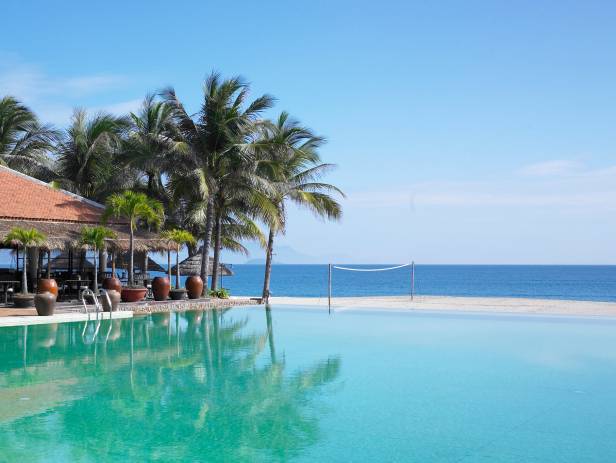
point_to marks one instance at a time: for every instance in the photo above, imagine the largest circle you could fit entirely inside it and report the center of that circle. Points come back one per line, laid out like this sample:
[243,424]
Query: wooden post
[329,289]
[412,280]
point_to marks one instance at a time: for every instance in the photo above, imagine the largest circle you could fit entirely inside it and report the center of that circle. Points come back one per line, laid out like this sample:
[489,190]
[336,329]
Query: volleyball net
[332,267]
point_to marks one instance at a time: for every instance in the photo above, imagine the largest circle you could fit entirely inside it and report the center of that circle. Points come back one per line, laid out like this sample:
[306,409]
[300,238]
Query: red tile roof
[23,197]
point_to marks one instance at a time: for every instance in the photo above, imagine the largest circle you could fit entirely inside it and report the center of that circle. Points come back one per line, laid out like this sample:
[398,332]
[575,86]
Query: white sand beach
[462,304]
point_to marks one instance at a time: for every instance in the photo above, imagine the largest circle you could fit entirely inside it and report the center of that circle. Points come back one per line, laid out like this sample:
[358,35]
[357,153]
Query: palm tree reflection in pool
[218,397]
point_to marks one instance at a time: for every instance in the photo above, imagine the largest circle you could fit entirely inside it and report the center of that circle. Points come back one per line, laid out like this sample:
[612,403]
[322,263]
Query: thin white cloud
[552,168]
[587,188]
[53,98]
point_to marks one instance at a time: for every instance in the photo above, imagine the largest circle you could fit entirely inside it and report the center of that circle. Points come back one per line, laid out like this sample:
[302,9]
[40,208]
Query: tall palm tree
[135,207]
[24,141]
[153,145]
[25,238]
[94,238]
[179,238]
[87,157]
[213,134]
[290,159]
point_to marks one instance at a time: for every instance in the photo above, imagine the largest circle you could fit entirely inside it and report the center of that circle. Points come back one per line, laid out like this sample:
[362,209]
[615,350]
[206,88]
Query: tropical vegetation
[24,238]
[177,238]
[221,174]
[94,238]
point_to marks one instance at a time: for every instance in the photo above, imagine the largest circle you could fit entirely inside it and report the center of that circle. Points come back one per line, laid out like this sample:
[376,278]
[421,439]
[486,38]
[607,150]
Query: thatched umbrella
[192,266]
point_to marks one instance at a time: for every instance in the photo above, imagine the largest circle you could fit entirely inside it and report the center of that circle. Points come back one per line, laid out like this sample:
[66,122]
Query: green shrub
[222,293]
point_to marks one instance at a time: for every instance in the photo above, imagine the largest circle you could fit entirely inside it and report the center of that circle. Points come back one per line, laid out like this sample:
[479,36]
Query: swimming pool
[293,384]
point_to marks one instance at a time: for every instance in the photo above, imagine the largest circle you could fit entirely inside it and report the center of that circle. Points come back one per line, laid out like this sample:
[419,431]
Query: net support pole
[412,280]
[329,288]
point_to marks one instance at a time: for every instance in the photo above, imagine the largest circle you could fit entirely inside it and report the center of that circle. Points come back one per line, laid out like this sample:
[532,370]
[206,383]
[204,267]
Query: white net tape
[370,269]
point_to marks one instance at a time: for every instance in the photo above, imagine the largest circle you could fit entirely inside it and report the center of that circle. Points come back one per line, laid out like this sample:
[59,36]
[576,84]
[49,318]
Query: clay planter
[45,303]
[133,294]
[160,288]
[114,297]
[47,284]
[112,283]
[177,294]
[194,287]
[23,301]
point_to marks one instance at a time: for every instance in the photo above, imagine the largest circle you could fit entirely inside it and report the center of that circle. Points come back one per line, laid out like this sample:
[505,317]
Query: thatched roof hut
[192,266]
[60,215]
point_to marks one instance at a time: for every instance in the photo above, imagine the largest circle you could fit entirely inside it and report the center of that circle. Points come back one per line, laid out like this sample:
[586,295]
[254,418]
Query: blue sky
[465,132]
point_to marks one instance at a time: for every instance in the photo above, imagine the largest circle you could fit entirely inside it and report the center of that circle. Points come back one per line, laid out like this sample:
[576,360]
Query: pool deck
[73,312]
[459,304]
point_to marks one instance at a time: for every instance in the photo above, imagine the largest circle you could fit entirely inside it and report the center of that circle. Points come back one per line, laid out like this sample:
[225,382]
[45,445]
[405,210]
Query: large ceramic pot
[112,283]
[47,284]
[23,301]
[177,294]
[114,298]
[133,294]
[45,303]
[194,287]
[160,288]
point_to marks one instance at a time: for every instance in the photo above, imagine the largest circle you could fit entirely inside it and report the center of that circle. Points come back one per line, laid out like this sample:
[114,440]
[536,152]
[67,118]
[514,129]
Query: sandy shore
[462,304]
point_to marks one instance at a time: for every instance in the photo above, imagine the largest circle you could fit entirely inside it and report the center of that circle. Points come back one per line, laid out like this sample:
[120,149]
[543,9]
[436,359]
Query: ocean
[578,282]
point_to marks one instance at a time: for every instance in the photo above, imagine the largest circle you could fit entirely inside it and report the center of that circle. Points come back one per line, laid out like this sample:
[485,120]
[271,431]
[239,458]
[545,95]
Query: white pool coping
[21,320]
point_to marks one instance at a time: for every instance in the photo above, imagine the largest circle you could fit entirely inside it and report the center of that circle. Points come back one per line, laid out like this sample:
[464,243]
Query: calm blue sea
[581,282]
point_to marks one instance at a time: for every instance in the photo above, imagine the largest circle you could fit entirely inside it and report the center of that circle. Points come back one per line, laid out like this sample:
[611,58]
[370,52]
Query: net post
[329,288]
[412,280]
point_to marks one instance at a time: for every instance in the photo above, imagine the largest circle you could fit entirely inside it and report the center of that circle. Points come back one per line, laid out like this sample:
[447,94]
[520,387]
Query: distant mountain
[282,255]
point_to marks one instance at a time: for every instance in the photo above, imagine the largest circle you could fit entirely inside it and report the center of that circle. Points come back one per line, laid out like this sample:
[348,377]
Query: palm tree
[94,238]
[213,134]
[179,238]
[24,141]
[134,207]
[153,144]
[87,158]
[25,238]
[291,162]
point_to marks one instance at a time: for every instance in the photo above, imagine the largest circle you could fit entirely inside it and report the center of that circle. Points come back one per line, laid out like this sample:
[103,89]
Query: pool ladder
[98,310]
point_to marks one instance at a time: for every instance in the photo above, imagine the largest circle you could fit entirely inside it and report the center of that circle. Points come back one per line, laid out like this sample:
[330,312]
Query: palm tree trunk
[207,238]
[95,271]
[49,264]
[217,246]
[177,268]
[24,276]
[131,282]
[268,266]
[169,265]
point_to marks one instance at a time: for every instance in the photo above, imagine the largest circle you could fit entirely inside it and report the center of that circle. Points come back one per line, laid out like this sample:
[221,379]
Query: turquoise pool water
[300,385]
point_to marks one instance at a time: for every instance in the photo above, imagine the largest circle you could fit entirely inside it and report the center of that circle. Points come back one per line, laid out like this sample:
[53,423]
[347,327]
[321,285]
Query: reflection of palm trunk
[270,334]
[207,238]
[268,266]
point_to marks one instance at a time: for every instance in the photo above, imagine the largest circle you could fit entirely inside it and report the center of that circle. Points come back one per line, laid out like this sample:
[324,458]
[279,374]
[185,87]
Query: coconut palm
[178,238]
[213,133]
[24,238]
[153,144]
[94,238]
[135,207]
[291,162]
[87,157]
[24,141]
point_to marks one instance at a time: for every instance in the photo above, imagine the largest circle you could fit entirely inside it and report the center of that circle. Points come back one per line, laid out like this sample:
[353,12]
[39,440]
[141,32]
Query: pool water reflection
[292,384]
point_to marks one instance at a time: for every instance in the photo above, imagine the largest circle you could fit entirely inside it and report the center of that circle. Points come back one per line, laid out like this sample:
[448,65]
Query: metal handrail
[89,293]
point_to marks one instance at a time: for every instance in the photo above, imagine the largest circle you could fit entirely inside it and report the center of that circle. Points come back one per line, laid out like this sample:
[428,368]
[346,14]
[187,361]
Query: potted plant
[94,238]
[134,207]
[113,282]
[177,238]
[25,238]
[48,284]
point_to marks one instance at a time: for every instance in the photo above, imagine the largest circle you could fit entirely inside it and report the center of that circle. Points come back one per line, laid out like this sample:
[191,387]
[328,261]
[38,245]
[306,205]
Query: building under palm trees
[26,202]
